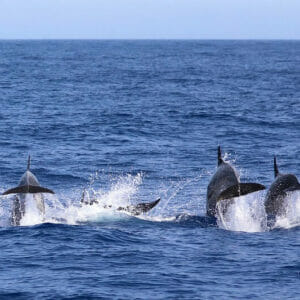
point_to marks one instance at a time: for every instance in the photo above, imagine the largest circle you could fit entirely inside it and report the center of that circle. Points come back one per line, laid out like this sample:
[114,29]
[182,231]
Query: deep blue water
[132,121]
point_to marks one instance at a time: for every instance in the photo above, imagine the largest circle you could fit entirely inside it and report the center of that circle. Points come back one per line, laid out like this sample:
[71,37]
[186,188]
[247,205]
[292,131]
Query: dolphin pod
[224,186]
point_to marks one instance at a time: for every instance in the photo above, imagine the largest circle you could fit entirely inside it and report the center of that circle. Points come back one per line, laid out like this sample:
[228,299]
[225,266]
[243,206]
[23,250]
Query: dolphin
[225,184]
[134,210]
[140,208]
[28,185]
[283,183]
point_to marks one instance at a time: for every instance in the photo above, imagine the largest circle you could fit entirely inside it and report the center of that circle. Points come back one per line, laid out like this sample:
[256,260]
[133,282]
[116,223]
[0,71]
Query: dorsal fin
[220,160]
[276,172]
[28,163]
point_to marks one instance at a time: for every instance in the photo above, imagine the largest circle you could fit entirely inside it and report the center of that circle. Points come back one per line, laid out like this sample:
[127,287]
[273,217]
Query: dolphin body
[28,185]
[283,183]
[134,210]
[225,185]
[140,208]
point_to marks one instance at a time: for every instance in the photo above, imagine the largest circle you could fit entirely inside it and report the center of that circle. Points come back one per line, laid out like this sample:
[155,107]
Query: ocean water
[132,121]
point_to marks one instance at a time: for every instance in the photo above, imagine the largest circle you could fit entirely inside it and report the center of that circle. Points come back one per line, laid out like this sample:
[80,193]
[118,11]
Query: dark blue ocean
[132,121]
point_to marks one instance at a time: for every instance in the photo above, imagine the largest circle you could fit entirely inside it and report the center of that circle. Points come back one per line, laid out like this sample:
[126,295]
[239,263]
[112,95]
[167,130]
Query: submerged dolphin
[225,184]
[28,184]
[135,210]
[283,183]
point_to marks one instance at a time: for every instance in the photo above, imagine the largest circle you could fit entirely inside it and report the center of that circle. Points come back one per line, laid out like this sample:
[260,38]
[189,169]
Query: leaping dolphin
[27,185]
[225,184]
[134,210]
[283,183]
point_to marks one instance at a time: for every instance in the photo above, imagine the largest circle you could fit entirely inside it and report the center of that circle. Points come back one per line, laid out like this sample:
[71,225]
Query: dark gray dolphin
[225,184]
[28,184]
[283,183]
[135,210]
[139,208]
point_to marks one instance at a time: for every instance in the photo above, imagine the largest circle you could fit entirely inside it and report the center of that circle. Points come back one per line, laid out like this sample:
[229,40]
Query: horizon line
[150,39]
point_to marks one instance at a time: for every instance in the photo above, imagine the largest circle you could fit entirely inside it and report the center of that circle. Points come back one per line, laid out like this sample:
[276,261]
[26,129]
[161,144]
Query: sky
[149,19]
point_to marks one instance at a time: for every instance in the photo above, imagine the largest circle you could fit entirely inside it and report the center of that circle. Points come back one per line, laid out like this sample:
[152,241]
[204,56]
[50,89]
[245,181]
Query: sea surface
[133,121]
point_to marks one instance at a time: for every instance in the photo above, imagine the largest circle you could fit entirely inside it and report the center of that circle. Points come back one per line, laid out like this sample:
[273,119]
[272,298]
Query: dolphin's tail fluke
[140,208]
[28,163]
[240,189]
[28,189]
[276,172]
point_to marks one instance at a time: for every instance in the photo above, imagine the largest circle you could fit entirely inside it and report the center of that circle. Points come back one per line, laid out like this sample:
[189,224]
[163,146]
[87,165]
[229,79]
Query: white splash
[32,214]
[245,213]
[292,215]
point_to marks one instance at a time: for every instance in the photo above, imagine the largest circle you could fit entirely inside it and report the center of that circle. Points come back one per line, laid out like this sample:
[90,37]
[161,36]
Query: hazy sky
[222,19]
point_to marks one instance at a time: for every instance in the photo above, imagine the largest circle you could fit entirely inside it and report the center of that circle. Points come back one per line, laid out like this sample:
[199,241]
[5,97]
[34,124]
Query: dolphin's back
[274,203]
[224,178]
[28,179]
